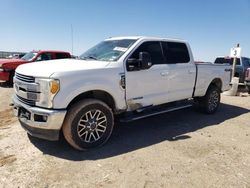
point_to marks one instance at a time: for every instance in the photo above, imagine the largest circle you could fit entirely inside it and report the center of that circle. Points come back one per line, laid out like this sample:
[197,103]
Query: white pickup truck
[122,77]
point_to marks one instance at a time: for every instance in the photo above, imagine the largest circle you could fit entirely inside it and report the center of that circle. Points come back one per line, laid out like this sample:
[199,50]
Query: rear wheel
[88,124]
[210,102]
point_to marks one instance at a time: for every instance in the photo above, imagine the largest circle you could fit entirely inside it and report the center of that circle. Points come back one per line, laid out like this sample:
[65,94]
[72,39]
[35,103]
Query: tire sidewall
[11,76]
[248,89]
[208,94]
[106,134]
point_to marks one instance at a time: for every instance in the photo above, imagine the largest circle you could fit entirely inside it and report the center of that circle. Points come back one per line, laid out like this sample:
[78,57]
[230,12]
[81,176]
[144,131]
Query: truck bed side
[206,73]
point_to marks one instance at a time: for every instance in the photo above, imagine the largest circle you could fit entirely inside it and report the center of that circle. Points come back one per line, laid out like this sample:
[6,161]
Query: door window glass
[153,48]
[175,52]
[44,57]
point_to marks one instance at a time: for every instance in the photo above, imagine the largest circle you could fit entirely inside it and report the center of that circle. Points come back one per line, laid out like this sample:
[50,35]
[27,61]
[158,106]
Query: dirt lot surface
[179,149]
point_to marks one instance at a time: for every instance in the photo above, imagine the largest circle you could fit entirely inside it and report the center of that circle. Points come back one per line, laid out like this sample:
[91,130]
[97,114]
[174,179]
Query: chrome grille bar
[24,78]
[26,101]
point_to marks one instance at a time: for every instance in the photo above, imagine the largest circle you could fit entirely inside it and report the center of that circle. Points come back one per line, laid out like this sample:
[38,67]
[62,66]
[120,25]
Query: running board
[152,113]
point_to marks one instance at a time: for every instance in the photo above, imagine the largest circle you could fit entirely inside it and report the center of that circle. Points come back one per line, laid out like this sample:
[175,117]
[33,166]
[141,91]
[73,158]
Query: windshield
[29,56]
[109,50]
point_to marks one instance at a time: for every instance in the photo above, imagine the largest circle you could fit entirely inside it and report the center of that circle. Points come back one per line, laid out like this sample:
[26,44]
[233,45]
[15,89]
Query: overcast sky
[211,27]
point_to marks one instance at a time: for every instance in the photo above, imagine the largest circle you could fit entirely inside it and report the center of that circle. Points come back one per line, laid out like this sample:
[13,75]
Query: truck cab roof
[50,51]
[145,38]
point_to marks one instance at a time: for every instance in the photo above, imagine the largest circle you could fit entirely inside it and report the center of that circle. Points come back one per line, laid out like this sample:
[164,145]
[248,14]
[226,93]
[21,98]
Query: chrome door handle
[164,73]
[191,71]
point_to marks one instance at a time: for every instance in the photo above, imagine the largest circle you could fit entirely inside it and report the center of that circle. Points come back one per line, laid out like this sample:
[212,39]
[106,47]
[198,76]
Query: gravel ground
[179,149]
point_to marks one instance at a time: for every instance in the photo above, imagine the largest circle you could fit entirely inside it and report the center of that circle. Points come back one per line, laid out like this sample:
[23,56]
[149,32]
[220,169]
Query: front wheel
[248,89]
[210,102]
[10,81]
[88,124]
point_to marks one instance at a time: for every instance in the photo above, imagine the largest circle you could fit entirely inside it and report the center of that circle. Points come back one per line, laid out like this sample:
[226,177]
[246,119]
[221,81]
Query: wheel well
[236,74]
[217,82]
[97,94]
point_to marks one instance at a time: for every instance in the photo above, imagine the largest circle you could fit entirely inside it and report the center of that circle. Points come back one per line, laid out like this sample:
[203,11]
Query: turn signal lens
[54,86]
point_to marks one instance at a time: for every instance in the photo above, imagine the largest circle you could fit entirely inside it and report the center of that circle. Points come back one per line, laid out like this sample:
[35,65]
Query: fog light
[45,118]
[40,118]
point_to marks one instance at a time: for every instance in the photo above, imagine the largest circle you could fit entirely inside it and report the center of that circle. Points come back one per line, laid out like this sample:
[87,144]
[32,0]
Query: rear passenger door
[181,70]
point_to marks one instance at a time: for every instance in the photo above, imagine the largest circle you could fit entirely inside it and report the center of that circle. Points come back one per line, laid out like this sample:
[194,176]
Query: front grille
[26,101]
[25,78]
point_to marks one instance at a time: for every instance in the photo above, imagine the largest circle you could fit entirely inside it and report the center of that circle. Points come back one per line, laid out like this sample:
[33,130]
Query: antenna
[72,41]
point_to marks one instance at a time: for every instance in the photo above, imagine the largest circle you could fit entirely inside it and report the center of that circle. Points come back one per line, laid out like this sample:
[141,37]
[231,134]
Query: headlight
[48,90]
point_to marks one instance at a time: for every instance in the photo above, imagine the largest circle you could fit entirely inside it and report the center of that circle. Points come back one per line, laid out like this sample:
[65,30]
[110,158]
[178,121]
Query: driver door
[147,87]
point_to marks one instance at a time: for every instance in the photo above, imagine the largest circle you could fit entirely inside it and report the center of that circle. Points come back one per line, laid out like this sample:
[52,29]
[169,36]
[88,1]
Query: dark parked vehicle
[242,64]
[247,79]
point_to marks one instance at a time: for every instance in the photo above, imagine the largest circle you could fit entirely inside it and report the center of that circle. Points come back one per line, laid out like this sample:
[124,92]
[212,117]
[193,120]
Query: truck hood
[46,68]
[11,61]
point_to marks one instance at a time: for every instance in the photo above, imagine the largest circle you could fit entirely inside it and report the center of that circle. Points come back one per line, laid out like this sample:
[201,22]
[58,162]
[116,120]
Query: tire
[10,81]
[88,124]
[248,89]
[210,102]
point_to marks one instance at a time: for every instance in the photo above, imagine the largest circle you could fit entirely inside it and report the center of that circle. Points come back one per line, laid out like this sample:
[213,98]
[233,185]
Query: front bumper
[39,122]
[247,83]
[4,76]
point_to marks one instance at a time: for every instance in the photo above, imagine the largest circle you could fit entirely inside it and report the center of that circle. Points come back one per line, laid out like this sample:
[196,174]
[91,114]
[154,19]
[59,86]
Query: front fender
[71,88]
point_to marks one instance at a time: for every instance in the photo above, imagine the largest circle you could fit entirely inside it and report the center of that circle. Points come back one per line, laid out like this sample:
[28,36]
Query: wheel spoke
[86,137]
[91,114]
[99,123]
[100,118]
[92,126]
[97,114]
[88,115]
[102,126]
[81,125]
[98,136]
[82,121]
[82,133]
[80,128]
[93,135]
[100,130]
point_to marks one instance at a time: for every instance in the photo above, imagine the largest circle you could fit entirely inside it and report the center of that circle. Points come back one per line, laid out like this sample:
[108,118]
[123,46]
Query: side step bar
[150,113]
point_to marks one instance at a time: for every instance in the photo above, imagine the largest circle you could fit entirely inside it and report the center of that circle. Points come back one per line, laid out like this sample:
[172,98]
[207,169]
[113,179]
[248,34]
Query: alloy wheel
[92,126]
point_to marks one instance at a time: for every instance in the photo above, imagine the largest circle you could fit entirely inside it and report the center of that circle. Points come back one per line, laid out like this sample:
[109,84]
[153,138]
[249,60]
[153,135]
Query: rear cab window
[225,60]
[61,55]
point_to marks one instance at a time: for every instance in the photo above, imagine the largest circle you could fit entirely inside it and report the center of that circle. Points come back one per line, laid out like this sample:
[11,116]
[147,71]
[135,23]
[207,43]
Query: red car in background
[8,66]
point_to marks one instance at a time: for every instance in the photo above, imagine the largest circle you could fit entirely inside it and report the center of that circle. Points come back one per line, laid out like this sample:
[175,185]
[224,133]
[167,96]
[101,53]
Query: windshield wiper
[89,57]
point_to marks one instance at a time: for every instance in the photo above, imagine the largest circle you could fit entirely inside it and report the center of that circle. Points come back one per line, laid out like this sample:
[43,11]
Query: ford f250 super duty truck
[124,77]
[8,66]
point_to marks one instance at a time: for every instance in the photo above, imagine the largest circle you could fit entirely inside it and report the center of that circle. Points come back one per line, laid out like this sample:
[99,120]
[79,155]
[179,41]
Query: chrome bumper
[39,122]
